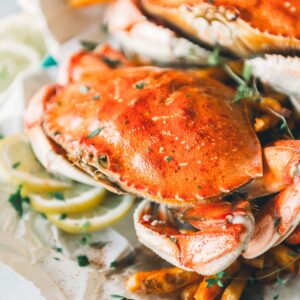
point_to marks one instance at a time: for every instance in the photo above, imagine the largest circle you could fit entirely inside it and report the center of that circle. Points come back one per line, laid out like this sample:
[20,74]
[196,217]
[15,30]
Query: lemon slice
[18,165]
[23,29]
[78,199]
[108,212]
[14,58]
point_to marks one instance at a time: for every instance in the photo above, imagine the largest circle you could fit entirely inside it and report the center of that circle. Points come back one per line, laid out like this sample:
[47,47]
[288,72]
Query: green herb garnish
[168,158]
[88,45]
[84,89]
[95,132]
[96,97]
[140,86]
[217,280]
[63,216]
[16,200]
[82,260]
[16,165]
[124,262]
[113,63]
[43,216]
[114,296]
[214,58]
[58,195]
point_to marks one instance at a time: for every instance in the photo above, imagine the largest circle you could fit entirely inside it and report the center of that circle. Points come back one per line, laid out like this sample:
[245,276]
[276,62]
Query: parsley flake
[214,58]
[95,132]
[88,45]
[168,158]
[84,89]
[58,195]
[96,97]
[140,85]
[82,260]
[113,63]
[114,296]
[63,216]
[16,165]
[16,200]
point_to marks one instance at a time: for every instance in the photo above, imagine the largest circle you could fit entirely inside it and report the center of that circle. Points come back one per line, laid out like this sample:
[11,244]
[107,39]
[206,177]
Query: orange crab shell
[243,27]
[168,135]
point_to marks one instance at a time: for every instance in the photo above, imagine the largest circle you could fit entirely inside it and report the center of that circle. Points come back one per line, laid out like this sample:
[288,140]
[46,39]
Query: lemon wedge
[23,29]
[18,165]
[111,209]
[14,58]
[78,199]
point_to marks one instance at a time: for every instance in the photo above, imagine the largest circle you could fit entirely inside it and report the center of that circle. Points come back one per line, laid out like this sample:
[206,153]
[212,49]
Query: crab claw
[206,251]
[280,216]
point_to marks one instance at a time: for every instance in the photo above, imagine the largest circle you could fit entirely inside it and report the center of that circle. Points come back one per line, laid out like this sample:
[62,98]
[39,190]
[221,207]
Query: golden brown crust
[168,135]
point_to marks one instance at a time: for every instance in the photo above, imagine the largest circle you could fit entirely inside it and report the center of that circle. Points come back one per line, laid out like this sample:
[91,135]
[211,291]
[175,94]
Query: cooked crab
[175,138]
[243,28]
[150,42]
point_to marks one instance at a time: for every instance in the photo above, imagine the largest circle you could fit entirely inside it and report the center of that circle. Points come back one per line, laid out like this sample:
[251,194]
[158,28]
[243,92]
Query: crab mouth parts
[205,250]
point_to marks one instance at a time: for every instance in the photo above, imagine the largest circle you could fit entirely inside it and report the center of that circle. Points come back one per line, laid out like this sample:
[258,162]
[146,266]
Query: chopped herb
[216,280]
[16,200]
[104,28]
[88,45]
[277,222]
[95,132]
[56,258]
[49,61]
[283,126]
[242,92]
[276,297]
[58,195]
[98,245]
[63,216]
[124,262]
[140,86]
[96,97]
[247,73]
[86,239]
[113,63]
[84,89]
[114,296]
[214,58]
[82,260]
[199,187]
[58,249]
[86,225]
[168,158]
[43,216]
[16,165]
[279,280]
[1,136]
[212,1]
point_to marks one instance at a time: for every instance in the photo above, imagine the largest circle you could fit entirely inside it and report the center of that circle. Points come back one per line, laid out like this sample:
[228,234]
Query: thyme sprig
[246,86]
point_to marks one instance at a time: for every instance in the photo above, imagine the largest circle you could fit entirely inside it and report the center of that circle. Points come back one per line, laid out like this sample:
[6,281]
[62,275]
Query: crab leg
[223,229]
[280,216]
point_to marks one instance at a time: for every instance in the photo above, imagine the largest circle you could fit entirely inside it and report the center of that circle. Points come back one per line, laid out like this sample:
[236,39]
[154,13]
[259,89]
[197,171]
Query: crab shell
[150,42]
[243,27]
[167,135]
